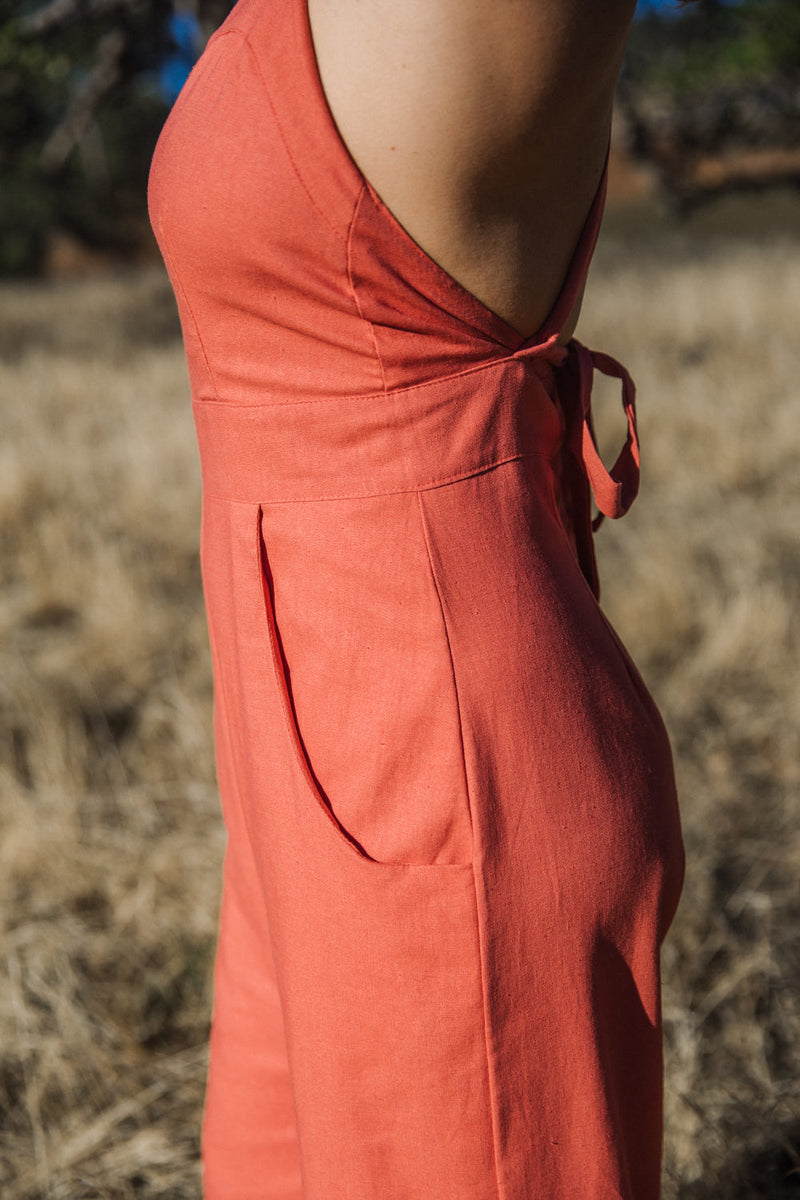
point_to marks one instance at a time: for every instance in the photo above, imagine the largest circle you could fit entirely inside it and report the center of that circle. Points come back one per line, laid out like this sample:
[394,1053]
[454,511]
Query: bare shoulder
[478,122]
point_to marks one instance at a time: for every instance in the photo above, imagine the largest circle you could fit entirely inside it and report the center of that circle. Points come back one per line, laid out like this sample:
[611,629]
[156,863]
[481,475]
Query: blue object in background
[664,8]
[668,8]
[186,36]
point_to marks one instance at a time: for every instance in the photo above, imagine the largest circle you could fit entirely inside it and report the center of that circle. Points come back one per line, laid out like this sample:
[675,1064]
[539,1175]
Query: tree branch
[58,13]
[81,109]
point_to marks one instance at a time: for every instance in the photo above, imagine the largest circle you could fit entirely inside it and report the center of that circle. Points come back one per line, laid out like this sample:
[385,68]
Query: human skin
[483,125]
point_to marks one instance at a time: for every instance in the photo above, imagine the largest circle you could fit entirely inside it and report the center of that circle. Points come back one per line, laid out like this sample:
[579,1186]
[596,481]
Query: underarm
[482,125]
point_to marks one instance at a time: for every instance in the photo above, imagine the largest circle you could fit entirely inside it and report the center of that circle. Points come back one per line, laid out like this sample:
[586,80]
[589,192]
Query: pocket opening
[308,777]
[281,672]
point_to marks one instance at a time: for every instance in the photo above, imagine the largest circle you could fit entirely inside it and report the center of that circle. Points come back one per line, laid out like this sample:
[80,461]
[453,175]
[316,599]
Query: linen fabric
[453,838]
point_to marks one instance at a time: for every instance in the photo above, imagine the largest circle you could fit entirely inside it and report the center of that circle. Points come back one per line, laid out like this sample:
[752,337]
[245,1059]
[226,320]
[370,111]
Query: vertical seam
[175,276]
[486,1037]
[320,211]
[353,293]
[452,669]
[347,239]
[493,1108]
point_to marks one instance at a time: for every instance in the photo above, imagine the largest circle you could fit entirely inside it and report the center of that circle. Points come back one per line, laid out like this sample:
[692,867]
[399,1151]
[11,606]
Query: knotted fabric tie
[615,490]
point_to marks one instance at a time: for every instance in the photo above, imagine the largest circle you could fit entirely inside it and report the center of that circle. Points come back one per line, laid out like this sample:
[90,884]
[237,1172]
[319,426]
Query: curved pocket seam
[343,837]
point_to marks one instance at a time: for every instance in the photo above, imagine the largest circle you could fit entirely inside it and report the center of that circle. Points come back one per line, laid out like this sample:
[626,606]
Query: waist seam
[356,397]
[483,469]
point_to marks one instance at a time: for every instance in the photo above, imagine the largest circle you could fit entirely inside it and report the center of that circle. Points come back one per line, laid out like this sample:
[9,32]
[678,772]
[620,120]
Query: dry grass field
[111,837]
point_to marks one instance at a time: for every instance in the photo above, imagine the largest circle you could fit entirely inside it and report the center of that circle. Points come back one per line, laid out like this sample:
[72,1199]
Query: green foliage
[32,82]
[722,77]
[92,181]
[717,45]
[95,184]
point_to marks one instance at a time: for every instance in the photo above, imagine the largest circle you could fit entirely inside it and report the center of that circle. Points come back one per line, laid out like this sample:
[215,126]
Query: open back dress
[453,838]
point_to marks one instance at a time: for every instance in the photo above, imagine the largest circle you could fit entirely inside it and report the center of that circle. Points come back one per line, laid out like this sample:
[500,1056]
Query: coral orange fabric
[453,838]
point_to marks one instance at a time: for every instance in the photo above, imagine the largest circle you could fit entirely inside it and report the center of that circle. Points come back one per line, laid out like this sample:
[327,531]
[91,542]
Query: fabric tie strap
[615,490]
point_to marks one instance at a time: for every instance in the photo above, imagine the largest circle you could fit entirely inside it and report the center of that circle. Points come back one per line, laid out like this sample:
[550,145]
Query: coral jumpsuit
[453,839]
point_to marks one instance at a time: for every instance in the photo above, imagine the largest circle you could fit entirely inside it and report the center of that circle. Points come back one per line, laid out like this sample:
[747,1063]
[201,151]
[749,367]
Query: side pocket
[362,669]
[282,683]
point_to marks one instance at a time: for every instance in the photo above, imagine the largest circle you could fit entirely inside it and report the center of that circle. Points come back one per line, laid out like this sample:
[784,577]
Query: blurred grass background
[112,839]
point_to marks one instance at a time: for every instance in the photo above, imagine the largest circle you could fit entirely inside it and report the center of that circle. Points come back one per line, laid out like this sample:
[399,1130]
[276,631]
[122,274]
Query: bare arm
[482,124]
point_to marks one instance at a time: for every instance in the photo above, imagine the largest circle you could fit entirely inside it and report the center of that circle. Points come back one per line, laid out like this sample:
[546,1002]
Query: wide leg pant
[453,838]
